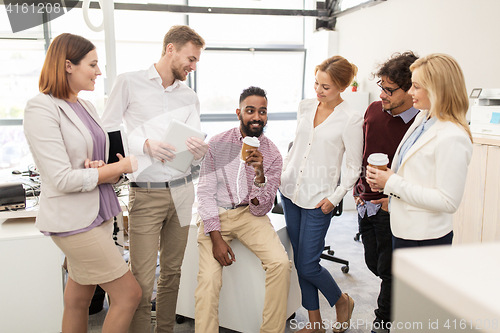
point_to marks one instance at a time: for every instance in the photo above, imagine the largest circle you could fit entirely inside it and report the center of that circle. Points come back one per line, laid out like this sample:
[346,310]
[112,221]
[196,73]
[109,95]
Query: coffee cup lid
[378,159]
[251,141]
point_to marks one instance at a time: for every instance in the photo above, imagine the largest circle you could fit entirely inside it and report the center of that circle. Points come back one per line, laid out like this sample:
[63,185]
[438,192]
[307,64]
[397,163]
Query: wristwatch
[260,184]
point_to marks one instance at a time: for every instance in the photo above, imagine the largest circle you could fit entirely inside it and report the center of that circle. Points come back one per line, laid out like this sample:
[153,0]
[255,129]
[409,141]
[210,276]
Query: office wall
[469,30]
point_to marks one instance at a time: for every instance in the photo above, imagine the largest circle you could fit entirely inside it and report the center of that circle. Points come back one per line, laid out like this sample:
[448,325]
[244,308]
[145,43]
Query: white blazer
[60,143]
[430,181]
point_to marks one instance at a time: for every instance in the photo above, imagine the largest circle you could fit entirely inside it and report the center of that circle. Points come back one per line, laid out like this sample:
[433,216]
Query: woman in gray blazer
[428,173]
[77,201]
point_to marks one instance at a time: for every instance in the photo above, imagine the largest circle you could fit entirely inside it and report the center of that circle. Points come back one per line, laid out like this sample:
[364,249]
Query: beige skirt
[93,257]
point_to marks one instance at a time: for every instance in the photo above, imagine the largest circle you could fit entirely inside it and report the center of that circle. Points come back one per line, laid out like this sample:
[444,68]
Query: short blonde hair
[53,78]
[341,71]
[180,35]
[443,79]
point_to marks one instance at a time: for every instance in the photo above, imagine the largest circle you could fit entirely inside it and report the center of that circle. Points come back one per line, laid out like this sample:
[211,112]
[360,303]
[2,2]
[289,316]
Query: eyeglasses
[388,91]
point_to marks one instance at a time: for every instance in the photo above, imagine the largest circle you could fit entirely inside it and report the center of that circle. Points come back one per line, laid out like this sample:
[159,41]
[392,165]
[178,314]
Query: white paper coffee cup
[249,142]
[378,160]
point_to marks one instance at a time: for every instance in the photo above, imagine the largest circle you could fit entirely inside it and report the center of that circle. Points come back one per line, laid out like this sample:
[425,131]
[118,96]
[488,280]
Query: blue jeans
[307,230]
[377,240]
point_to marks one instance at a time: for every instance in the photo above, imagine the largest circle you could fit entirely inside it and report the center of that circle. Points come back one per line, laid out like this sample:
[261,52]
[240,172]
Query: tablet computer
[117,143]
[176,135]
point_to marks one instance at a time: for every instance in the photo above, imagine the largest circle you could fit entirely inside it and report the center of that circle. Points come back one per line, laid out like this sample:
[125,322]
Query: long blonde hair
[443,79]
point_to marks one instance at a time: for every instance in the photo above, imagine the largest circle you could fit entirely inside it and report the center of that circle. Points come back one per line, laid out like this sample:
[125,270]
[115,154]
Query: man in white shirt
[161,197]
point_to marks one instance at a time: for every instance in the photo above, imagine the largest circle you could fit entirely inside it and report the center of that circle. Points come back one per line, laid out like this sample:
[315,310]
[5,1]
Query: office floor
[359,283]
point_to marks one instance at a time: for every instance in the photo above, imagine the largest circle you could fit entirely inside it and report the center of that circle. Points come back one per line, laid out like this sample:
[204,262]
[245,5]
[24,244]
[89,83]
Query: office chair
[337,211]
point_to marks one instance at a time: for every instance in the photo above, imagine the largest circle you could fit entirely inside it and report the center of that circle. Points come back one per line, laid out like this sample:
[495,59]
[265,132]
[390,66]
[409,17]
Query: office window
[259,50]
[248,30]
[222,76]
[6,30]
[22,55]
[22,61]
[242,50]
[21,64]
[139,45]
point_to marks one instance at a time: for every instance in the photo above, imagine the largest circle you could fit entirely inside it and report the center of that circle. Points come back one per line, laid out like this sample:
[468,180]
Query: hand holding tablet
[188,143]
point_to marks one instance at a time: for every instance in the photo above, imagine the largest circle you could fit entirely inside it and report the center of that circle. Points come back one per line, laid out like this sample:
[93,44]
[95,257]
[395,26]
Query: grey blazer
[60,143]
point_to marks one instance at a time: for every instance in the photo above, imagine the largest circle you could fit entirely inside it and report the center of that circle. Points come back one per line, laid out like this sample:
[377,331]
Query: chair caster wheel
[331,252]
[179,319]
[345,269]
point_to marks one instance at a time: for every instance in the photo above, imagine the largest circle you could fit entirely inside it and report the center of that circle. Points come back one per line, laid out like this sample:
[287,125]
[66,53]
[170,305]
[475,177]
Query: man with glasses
[385,124]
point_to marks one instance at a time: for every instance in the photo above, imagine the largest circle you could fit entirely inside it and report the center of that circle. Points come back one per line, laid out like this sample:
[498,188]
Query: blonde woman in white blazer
[428,174]
[77,202]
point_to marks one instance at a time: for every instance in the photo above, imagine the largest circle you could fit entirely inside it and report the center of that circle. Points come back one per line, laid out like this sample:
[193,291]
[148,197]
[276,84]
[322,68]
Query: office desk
[31,279]
[447,289]
[243,283]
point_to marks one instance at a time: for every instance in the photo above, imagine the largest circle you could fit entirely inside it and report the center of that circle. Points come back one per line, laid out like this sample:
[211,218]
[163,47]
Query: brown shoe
[339,327]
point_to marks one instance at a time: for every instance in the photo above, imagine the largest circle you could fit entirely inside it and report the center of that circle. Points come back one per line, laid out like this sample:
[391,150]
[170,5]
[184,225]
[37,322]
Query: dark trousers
[399,243]
[377,240]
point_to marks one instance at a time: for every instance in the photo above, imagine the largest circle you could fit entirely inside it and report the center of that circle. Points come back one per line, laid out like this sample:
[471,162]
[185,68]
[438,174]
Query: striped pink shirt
[226,181]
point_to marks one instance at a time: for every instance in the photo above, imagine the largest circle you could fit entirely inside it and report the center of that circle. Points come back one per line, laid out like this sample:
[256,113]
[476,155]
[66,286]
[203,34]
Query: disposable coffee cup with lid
[378,160]
[249,142]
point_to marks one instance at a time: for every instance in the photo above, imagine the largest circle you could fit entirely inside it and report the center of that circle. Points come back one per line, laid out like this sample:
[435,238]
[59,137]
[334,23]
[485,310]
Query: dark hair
[180,35]
[252,91]
[53,78]
[397,69]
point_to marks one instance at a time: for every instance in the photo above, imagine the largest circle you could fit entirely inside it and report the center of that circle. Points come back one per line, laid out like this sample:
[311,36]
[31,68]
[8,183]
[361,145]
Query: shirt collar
[407,115]
[154,75]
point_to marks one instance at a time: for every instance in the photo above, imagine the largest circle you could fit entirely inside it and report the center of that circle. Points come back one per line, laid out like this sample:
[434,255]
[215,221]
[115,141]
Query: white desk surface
[31,283]
[463,279]
[18,228]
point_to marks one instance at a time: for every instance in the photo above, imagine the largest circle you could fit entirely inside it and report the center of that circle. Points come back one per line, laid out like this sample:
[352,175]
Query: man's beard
[179,73]
[252,132]
[392,106]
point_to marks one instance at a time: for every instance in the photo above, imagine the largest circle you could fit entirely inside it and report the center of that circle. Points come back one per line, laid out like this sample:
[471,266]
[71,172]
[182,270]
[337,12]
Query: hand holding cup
[377,172]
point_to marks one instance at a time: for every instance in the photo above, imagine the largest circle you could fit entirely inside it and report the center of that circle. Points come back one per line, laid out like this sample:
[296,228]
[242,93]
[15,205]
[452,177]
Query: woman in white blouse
[428,173]
[327,129]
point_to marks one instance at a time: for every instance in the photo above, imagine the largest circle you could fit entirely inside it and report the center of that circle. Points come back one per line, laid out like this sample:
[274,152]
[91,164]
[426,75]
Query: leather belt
[172,183]
[232,207]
